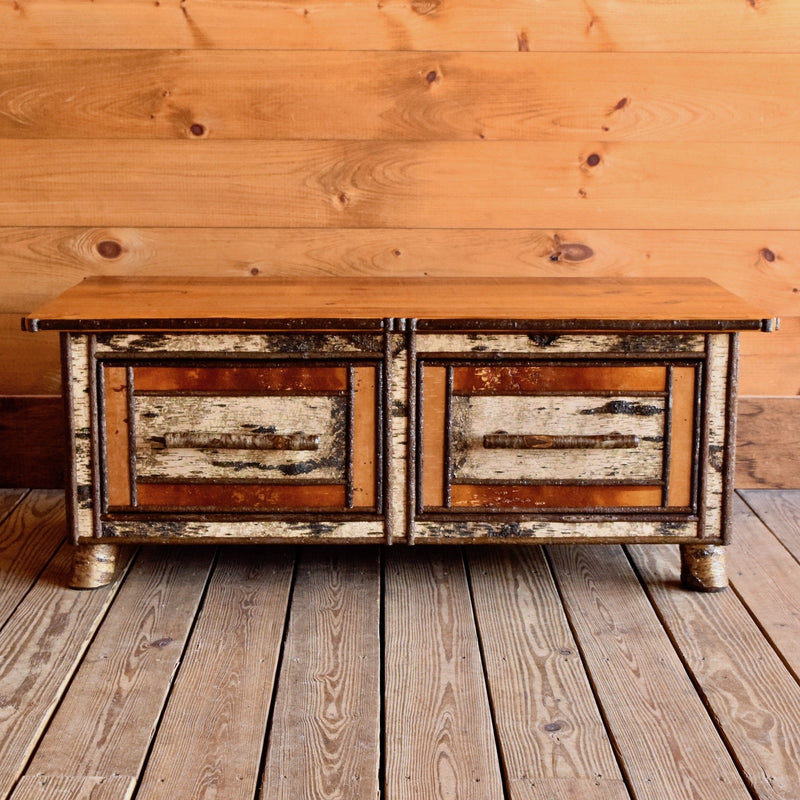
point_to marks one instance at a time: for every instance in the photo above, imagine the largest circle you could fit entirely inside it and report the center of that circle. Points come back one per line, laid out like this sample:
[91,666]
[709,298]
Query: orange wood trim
[117,454]
[562,496]
[434,387]
[240,379]
[515,380]
[224,497]
[680,455]
[364,437]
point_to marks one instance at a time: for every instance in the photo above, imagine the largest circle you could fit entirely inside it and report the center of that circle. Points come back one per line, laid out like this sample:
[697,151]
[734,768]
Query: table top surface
[162,303]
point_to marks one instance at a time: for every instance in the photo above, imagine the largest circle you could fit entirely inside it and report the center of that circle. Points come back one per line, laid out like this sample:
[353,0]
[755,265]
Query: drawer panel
[638,424]
[218,436]
[321,418]
[535,436]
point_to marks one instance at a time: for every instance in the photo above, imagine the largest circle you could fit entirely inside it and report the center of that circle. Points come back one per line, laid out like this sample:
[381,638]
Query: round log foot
[93,565]
[704,567]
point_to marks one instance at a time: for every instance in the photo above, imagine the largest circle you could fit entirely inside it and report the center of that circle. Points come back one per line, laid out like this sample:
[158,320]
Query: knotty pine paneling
[495,184]
[152,94]
[471,25]
[403,137]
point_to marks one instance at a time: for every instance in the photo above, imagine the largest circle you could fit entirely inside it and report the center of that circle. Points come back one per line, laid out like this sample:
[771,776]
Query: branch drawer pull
[239,441]
[513,441]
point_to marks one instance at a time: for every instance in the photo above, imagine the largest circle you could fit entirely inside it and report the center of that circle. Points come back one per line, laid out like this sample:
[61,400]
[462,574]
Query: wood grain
[384,184]
[433,417]
[366,436]
[780,512]
[39,262]
[624,303]
[765,576]
[325,735]
[115,416]
[752,696]
[30,366]
[36,787]
[106,731]
[767,443]
[640,682]
[543,379]
[541,497]
[224,688]
[548,724]
[241,380]
[29,536]
[682,436]
[400,25]
[43,644]
[8,499]
[168,94]
[438,728]
[239,496]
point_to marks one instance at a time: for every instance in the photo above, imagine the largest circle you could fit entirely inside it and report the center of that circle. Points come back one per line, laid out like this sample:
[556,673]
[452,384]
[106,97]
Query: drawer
[208,437]
[536,437]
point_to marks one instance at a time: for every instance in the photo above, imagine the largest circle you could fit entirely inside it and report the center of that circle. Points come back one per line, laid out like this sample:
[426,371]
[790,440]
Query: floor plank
[8,499]
[40,648]
[551,734]
[105,724]
[766,576]
[29,536]
[666,741]
[752,696]
[325,738]
[780,512]
[119,787]
[438,728]
[223,692]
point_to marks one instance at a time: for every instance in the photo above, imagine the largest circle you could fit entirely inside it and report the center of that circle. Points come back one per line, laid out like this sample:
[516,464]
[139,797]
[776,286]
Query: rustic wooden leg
[704,567]
[93,565]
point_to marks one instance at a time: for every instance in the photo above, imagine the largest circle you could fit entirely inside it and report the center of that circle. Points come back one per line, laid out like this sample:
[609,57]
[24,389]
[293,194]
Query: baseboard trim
[32,445]
[33,448]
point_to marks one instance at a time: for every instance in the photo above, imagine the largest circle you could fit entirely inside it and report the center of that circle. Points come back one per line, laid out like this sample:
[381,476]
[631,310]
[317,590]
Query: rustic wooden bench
[400,410]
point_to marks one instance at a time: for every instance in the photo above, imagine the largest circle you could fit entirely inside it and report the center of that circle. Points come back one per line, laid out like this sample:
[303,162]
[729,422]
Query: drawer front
[528,437]
[240,437]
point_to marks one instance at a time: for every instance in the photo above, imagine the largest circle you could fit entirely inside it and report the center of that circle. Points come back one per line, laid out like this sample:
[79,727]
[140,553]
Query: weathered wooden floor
[474,674]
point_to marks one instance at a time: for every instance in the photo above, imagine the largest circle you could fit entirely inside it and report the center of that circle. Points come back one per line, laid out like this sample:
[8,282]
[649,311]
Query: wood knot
[767,254]
[593,160]
[552,727]
[620,104]
[432,76]
[255,271]
[425,7]
[109,249]
[197,129]
[523,45]
[343,198]
[397,253]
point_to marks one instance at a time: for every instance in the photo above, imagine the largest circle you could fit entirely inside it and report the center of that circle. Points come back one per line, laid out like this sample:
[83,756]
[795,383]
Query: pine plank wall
[467,137]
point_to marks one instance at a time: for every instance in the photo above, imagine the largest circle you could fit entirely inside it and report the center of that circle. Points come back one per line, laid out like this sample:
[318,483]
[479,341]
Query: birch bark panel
[274,530]
[667,743]
[400,184]
[438,728]
[504,532]
[751,694]
[548,724]
[476,416]
[314,416]
[224,688]
[81,444]
[210,343]
[167,94]
[397,25]
[716,411]
[397,489]
[325,734]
